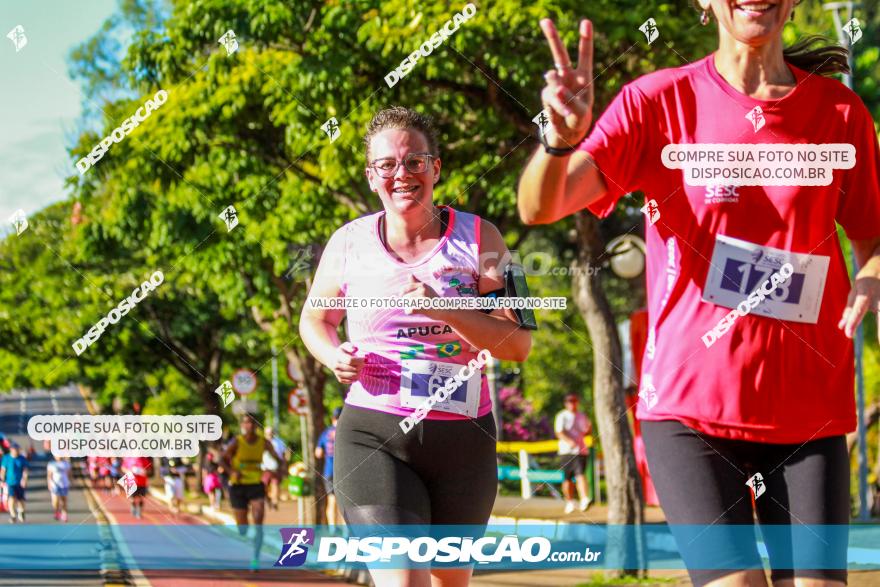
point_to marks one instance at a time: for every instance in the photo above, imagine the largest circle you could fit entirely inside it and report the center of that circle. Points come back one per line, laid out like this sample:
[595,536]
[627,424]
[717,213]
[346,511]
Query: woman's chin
[409,203]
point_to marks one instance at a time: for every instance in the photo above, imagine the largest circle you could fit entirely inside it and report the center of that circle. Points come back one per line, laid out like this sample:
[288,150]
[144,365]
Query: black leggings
[701,480]
[440,472]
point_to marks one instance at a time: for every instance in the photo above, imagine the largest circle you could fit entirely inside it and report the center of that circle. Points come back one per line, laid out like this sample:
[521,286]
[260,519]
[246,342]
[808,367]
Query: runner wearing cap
[443,469]
[748,367]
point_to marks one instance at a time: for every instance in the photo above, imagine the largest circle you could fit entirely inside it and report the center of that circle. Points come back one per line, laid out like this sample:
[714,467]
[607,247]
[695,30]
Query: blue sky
[41,104]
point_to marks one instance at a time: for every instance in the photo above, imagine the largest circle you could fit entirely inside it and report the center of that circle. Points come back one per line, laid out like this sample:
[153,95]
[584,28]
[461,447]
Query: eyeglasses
[414,163]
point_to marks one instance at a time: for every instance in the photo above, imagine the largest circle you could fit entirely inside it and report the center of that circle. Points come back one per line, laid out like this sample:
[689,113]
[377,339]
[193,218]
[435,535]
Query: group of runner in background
[116,476]
[268,472]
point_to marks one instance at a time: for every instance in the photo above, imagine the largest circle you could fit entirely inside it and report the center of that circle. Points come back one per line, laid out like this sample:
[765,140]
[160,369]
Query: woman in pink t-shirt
[748,159]
[396,462]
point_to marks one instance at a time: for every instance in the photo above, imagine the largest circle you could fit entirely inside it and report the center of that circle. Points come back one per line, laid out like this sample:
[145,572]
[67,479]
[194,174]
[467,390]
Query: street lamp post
[627,255]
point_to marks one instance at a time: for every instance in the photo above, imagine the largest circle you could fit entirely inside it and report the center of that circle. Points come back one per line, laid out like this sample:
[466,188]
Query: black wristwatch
[560,151]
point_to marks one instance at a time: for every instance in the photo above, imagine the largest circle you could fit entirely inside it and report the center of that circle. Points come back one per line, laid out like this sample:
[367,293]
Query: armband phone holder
[515,287]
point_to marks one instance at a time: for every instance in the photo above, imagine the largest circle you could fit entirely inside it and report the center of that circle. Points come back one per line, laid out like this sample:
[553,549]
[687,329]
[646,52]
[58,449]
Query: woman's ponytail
[826,59]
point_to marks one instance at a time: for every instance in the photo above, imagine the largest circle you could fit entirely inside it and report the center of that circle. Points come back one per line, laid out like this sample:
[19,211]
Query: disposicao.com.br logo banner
[496,547]
[413,545]
[554,546]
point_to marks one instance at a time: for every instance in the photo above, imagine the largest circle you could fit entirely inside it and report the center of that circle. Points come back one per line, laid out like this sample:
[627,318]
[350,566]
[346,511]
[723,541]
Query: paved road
[104,539]
[81,539]
[102,534]
[185,545]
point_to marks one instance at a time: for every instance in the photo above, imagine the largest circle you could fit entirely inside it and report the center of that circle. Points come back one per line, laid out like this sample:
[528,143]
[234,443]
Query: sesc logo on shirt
[722,194]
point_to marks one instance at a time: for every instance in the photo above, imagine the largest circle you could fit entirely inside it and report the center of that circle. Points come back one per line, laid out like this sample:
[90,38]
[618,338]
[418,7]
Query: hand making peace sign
[568,95]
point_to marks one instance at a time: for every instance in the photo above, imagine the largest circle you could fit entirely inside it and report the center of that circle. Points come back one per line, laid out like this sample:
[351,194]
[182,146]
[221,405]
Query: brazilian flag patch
[449,349]
[412,351]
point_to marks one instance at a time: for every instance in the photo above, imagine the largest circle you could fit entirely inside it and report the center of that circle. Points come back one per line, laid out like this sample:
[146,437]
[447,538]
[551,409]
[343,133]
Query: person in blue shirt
[14,474]
[325,450]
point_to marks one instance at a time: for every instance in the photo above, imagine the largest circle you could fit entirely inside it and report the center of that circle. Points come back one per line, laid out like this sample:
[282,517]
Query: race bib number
[421,379]
[741,271]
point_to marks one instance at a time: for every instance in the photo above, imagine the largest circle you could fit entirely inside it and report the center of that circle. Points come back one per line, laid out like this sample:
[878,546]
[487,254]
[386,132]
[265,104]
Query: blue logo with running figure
[295,547]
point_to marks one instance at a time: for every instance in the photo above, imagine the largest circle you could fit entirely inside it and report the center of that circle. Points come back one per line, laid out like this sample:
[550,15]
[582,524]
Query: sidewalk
[513,509]
[508,510]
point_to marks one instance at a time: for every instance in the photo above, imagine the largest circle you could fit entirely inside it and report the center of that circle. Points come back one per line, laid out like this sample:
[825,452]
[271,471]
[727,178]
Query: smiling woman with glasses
[442,471]
[414,163]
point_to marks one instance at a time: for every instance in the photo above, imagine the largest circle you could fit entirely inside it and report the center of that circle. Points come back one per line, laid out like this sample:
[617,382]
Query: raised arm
[554,186]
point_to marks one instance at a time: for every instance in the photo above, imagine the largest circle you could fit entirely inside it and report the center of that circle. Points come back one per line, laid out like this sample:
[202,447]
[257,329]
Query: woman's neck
[754,71]
[414,228]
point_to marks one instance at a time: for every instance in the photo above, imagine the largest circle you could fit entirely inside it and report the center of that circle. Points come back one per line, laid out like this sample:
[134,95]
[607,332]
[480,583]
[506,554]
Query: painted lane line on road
[109,531]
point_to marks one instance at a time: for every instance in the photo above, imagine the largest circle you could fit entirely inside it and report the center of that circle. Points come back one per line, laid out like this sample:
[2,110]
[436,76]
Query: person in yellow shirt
[242,458]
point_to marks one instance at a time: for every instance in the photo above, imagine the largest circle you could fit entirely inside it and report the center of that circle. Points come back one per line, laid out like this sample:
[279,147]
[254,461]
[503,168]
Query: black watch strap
[560,151]
[498,293]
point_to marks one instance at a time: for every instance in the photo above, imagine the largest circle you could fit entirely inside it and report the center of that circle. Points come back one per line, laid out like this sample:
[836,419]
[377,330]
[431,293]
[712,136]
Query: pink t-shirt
[386,336]
[764,379]
[140,464]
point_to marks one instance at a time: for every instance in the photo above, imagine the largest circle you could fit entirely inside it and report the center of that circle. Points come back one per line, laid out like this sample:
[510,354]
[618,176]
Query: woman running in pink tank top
[442,469]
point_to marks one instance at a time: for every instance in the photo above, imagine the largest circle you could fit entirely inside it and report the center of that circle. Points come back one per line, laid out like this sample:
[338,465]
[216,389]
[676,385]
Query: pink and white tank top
[408,356]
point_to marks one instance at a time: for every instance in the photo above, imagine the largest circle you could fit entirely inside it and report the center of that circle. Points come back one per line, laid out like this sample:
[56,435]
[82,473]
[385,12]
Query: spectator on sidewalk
[58,480]
[212,485]
[272,468]
[571,426]
[325,450]
[173,472]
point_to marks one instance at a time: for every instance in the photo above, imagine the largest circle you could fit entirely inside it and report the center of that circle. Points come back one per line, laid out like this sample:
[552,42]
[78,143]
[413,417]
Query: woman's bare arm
[553,187]
[497,332]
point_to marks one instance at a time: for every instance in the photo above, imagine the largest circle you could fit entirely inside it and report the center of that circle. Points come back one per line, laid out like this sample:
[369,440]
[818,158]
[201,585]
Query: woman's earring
[704,18]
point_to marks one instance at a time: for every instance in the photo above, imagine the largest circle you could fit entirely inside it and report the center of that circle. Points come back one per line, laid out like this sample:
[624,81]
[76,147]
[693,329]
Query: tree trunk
[625,504]
[206,393]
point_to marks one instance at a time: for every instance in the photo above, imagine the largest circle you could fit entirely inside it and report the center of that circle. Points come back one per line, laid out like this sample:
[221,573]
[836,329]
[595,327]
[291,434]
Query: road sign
[244,381]
[296,401]
[293,372]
